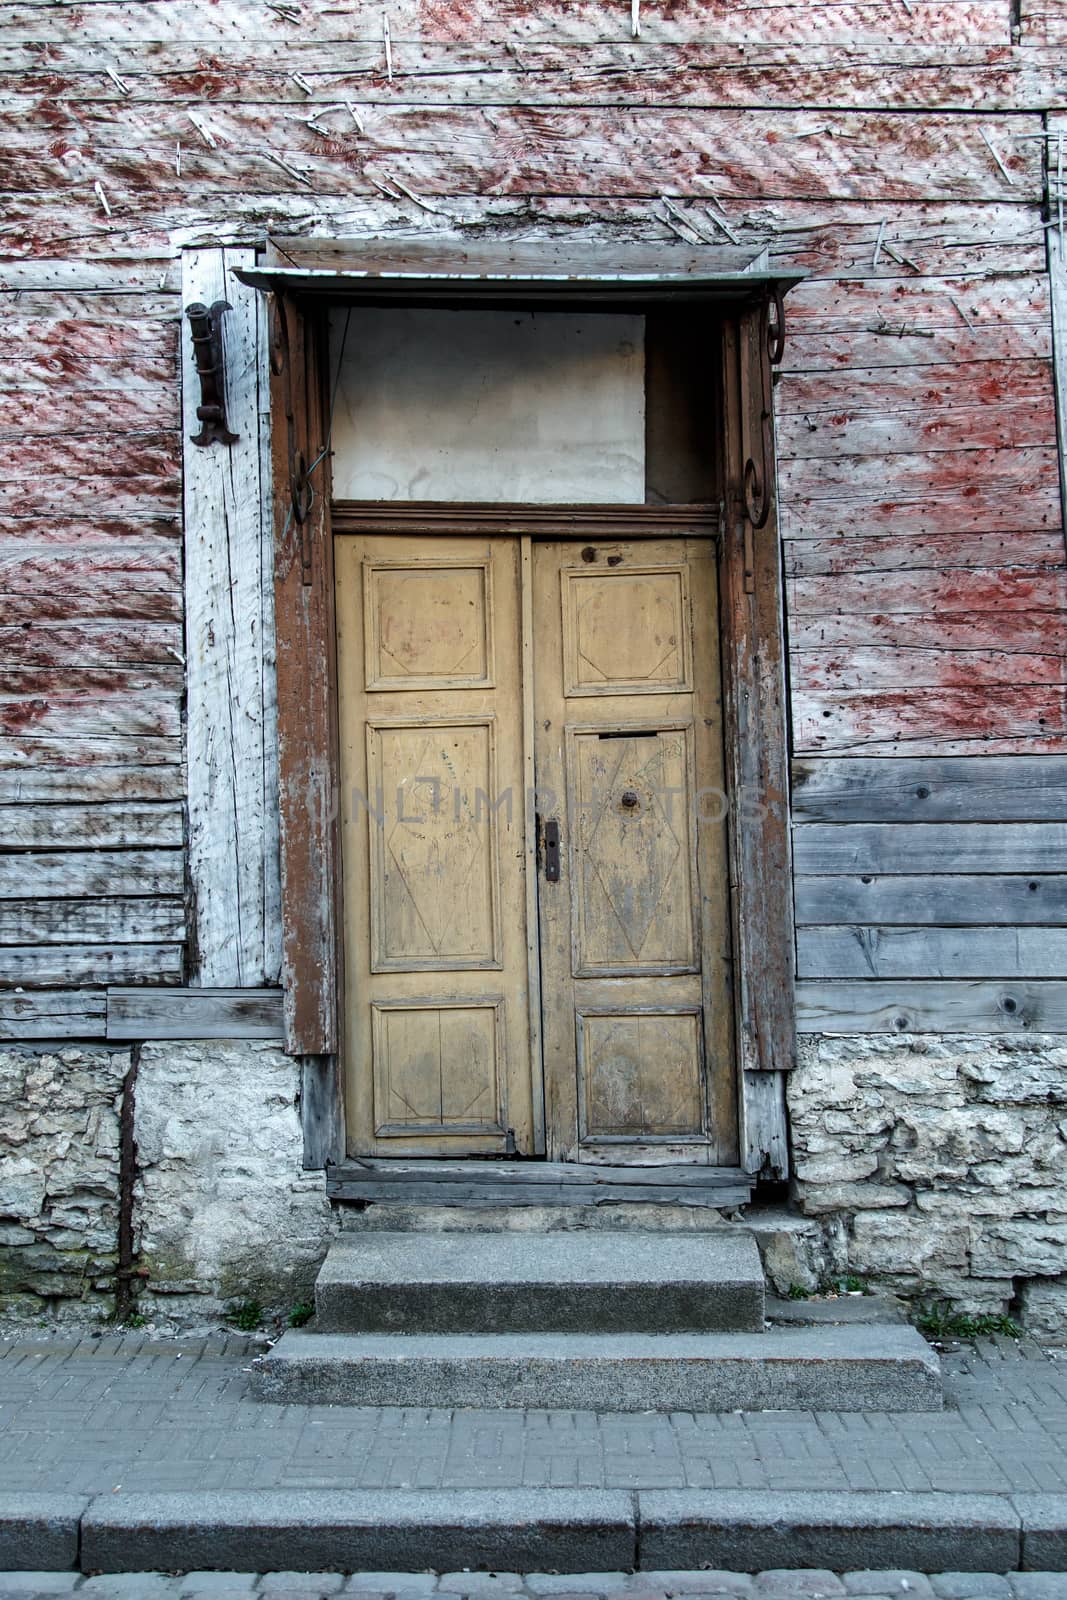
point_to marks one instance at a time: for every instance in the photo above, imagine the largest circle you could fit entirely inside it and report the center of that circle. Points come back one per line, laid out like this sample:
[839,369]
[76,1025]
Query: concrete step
[572,1282]
[865,1368]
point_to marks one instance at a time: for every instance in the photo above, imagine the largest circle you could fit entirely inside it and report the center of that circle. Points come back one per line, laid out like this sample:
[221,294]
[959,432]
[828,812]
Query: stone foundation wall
[222,1210]
[938,1166]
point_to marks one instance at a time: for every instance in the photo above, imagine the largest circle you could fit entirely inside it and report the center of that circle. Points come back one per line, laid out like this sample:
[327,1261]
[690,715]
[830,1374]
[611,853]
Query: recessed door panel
[633,868]
[640,1073]
[434,889]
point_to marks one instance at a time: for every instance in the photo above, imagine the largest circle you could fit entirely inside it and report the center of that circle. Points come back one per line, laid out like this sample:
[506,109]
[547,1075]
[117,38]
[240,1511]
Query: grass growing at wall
[245,1315]
[939,1321]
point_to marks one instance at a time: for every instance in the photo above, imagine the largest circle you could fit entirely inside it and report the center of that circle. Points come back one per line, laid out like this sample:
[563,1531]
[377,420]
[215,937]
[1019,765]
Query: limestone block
[1021,1248]
[223,1203]
[818,1198]
[22,1187]
[1043,1308]
[835,1169]
[919,1247]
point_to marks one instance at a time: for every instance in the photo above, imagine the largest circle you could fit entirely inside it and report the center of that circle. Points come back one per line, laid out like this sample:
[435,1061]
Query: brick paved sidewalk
[130,1413]
[778,1585]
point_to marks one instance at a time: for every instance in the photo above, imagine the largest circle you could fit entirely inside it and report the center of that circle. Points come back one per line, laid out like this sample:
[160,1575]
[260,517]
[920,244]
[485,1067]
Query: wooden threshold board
[549,1183]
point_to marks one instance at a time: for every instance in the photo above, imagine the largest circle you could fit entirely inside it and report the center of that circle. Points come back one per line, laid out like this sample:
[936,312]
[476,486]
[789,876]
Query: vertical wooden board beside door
[635,940]
[436,1000]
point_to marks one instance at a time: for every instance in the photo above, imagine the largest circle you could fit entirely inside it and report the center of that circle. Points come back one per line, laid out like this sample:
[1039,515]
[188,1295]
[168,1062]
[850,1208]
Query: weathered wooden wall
[896,151]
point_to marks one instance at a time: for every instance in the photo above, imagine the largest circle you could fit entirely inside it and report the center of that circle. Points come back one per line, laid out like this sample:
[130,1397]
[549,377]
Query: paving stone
[141,1585]
[479,1583]
[390,1582]
[1039,1585]
[561,1583]
[322,1582]
[20,1583]
[970,1586]
[907,1585]
[818,1584]
[202,1584]
[700,1583]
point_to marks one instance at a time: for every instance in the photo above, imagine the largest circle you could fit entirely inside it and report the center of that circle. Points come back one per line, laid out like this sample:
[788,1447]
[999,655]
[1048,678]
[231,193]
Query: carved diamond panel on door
[435,897]
[634,871]
[639,1074]
[438,1067]
[428,624]
[626,631]
[437,1014]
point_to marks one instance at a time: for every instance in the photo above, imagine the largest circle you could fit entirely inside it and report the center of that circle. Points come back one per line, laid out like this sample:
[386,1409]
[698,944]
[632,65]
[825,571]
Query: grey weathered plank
[60,966]
[124,919]
[30,782]
[930,789]
[524,1173]
[230,632]
[148,1013]
[918,952]
[948,899]
[52,1014]
[71,873]
[488,1196]
[955,847]
[948,1006]
[71,827]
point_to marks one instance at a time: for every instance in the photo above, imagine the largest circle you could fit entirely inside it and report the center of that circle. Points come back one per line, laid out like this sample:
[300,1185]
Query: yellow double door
[537,948]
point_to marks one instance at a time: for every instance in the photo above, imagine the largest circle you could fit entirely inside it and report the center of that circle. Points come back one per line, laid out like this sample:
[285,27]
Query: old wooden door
[533,805]
[437,1019]
[633,862]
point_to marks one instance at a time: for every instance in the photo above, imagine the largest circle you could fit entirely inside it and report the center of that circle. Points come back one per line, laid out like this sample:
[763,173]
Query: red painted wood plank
[966,630]
[880,390]
[942,552]
[119,703]
[845,721]
[91,644]
[889,349]
[43,571]
[69,410]
[961,303]
[869,667]
[833,435]
[934,594]
[513,150]
[519,22]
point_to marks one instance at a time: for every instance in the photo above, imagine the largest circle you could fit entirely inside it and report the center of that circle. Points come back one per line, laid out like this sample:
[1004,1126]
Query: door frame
[755,721]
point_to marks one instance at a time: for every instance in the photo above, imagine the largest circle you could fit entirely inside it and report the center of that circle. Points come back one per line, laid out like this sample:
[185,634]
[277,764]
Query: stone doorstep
[574,1282]
[864,1368]
[571,1530]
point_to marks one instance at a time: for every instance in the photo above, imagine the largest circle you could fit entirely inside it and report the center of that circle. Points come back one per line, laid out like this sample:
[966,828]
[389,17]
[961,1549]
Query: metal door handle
[552,850]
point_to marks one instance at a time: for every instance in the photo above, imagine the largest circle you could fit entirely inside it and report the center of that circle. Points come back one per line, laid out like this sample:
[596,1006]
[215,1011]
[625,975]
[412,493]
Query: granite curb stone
[597,1534]
[751,1532]
[1044,1531]
[346,1531]
[39,1532]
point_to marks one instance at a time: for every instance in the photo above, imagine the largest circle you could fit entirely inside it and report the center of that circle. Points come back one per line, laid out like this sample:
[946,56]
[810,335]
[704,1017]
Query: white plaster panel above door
[509,406]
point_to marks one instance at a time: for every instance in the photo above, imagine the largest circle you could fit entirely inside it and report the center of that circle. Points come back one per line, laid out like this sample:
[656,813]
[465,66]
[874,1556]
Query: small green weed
[136,1319]
[796,1292]
[939,1321]
[301,1313]
[846,1283]
[245,1315]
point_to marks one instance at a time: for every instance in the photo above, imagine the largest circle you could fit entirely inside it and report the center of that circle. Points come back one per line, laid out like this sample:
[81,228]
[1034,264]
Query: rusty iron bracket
[758,475]
[205,325]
